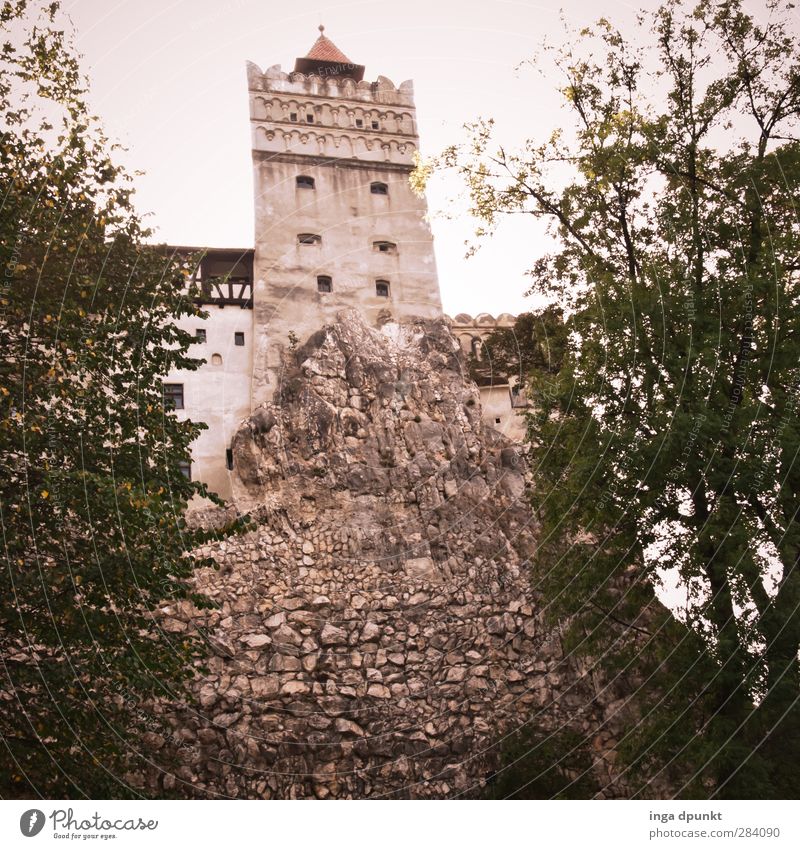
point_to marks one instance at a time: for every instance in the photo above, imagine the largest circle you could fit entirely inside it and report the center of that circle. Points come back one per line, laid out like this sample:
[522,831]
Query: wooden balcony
[227,291]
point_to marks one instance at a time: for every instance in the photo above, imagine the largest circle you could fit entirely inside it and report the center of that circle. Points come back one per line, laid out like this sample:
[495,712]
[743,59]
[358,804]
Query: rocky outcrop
[376,634]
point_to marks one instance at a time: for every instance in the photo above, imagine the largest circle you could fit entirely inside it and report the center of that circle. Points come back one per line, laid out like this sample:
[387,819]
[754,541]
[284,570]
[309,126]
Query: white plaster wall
[218,395]
[496,404]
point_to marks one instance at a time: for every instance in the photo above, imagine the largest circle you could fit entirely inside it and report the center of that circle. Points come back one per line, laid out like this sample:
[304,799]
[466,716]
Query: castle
[337,226]
[374,633]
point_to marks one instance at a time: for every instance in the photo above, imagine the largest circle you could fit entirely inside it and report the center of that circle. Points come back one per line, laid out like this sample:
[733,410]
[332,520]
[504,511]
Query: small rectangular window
[359,122]
[385,247]
[309,119]
[382,288]
[173,396]
[293,116]
[185,468]
[379,188]
[308,239]
[304,182]
[229,458]
[324,284]
[375,125]
[200,334]
[238,339]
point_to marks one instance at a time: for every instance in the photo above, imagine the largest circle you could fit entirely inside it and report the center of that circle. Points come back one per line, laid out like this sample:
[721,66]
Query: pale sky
[168,81]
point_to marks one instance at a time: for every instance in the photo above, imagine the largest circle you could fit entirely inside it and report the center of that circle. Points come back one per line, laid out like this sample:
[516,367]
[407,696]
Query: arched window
[382,288]
[378,188]
[304,182]
[308,239]
[216,359]
[324,283]
[385,247]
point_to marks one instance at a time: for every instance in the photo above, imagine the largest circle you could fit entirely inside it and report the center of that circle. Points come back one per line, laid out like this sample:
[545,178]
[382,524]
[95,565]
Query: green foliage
[536,343]
[535,765]
[666,444]
[91,493]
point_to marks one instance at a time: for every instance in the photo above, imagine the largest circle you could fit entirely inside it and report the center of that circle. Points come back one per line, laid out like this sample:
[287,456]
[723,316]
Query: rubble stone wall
[376,635]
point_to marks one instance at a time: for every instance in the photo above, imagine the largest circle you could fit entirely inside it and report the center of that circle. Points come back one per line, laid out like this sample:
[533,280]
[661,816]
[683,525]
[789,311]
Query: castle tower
[336,222]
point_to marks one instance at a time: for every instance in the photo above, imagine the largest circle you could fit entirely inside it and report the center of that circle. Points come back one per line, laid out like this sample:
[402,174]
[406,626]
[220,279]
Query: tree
[535,343]
[91,491]
[536,765]
[668,449]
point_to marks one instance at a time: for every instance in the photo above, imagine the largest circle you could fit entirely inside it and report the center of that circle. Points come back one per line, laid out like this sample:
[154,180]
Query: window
[375,125]
[185,468]
[382,288]
[308,239]
[229,458]
[379,188]
[200,334]
[359,122]
[304,182]
[497,421]
[238,339]
[324,284]
[309,118]
[293,116]
[173,396]
[216,359]
[385,247]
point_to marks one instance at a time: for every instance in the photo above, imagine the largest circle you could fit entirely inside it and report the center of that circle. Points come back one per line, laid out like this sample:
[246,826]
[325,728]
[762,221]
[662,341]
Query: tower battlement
[311,115]
[381,91]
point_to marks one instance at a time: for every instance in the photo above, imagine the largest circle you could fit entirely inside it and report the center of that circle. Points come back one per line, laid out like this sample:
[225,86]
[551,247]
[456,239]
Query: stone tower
[336,222]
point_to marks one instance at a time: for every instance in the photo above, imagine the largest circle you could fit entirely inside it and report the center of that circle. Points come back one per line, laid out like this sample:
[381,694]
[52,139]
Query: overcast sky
[168,81]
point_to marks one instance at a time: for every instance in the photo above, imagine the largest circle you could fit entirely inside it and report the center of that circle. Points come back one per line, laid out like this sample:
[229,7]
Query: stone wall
[376,635]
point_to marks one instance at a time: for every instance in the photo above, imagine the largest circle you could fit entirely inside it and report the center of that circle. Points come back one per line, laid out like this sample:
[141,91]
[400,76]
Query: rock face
[376,635]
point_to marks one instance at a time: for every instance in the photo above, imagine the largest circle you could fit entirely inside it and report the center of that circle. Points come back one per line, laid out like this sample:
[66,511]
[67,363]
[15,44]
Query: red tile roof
[324,50]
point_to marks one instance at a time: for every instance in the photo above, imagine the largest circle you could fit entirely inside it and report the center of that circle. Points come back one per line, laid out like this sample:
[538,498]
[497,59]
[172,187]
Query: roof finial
[322,28]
